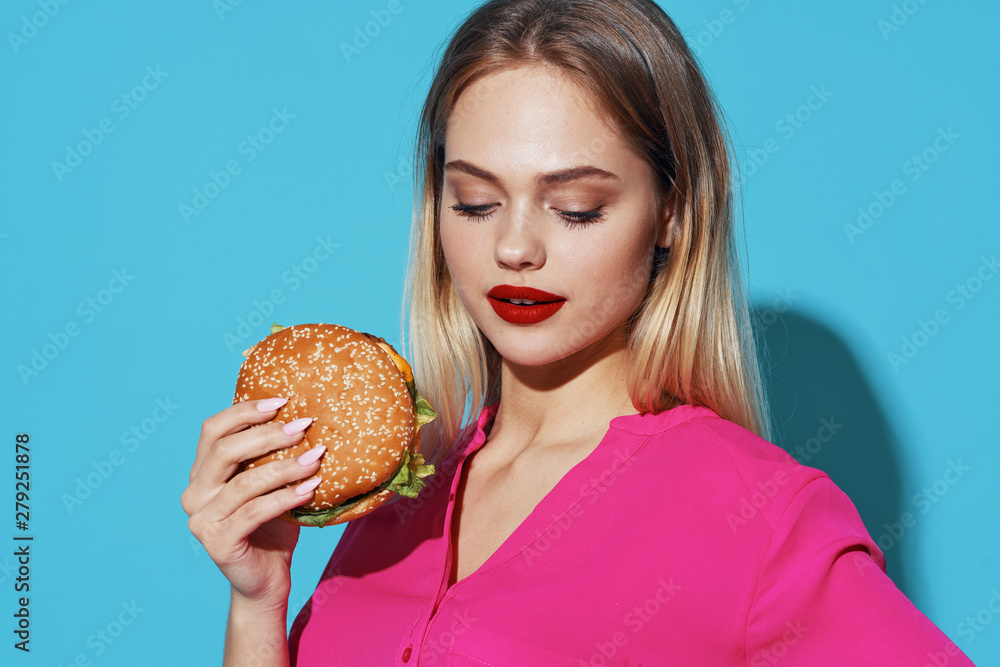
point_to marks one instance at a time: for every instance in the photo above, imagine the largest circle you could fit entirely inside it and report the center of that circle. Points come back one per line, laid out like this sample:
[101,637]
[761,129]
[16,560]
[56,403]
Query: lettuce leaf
[407,481]
[409,477]
[424,412]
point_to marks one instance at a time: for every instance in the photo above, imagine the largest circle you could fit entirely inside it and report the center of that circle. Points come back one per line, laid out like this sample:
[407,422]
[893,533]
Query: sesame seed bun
[361,394]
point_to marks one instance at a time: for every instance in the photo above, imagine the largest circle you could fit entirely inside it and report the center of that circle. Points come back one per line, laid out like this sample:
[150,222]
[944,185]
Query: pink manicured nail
[312,455]
[269,404]
[308,485]
[297,426]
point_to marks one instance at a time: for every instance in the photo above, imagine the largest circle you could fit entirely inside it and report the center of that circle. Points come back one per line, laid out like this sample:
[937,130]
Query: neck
[568,400]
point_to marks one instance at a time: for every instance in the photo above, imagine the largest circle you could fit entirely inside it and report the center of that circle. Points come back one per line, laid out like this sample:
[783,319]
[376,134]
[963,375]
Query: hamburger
[367,412]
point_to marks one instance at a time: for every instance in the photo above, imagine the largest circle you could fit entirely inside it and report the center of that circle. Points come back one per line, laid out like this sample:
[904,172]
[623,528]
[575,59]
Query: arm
[255,635]
[237,519]
[823,596]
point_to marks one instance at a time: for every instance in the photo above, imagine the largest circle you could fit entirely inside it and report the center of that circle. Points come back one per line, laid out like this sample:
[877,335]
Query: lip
[522,292]
[546,307]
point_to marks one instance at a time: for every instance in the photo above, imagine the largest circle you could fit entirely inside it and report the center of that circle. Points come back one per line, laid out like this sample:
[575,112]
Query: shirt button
[406,654]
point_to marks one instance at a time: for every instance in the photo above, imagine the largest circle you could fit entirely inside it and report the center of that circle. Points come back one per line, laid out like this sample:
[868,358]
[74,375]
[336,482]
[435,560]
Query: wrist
[259,606]
[256,633]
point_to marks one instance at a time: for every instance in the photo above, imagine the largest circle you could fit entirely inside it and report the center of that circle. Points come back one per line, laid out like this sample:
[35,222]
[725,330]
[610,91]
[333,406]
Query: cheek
[619,273]
[459,254]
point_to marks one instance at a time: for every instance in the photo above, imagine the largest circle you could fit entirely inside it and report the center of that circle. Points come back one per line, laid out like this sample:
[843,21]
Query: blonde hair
[690,340]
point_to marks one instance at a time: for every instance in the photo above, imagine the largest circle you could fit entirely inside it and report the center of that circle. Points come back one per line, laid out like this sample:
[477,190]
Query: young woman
[605,491]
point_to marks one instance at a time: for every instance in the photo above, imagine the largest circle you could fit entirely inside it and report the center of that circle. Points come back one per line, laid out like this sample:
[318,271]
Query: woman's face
[518,210]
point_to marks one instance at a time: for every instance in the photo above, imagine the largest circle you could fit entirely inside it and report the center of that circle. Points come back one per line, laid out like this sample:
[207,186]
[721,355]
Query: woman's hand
[235,516]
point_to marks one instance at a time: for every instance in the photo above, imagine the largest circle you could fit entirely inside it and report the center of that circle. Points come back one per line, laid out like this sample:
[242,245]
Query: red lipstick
[544,305]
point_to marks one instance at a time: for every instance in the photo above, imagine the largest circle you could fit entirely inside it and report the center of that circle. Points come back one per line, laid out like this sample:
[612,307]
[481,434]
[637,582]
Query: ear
[666,224]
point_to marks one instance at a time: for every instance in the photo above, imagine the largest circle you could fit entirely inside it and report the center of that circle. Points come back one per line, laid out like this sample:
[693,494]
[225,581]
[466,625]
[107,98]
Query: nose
[518,244]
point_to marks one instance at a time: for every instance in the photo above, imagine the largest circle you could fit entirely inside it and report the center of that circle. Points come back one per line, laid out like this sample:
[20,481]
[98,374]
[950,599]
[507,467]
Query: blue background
[831,305]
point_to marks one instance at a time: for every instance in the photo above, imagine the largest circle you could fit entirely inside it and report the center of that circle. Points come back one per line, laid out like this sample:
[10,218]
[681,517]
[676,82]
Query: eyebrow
[551,178]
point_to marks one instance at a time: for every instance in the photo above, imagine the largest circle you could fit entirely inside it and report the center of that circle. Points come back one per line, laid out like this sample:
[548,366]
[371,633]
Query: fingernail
[308,485]
[270,404]
[297,426]
[312,455]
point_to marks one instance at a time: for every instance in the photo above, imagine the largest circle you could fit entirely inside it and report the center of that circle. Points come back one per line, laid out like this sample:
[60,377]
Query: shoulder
[700,436]
[738,473]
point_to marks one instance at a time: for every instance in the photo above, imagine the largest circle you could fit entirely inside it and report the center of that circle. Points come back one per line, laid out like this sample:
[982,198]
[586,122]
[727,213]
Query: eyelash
[571,218]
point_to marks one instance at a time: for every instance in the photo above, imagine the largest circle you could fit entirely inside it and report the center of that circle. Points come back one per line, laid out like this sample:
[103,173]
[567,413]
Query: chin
[537,348]
[523,348]
[552,340]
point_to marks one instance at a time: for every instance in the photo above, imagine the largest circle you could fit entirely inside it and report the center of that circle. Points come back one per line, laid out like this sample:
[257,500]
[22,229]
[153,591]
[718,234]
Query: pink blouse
[682,539]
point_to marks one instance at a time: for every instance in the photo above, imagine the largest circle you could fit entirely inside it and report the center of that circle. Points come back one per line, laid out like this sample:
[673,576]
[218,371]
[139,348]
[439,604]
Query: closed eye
[482,212]
[477,212]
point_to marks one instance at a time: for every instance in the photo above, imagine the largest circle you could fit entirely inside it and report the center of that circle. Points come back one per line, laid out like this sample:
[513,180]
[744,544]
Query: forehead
[531,115]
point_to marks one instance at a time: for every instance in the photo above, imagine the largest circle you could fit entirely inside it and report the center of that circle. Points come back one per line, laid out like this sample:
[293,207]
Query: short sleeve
[823,597]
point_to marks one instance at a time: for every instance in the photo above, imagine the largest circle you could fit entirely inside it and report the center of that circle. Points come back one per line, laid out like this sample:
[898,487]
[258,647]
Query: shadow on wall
[826,414]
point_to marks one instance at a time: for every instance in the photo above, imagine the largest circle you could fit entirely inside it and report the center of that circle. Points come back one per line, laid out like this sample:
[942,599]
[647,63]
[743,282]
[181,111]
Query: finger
[257,481]
[222,461]
[233,419]
[258,511]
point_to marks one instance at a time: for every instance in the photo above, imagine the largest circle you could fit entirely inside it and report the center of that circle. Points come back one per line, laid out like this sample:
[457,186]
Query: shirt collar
[646,423]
